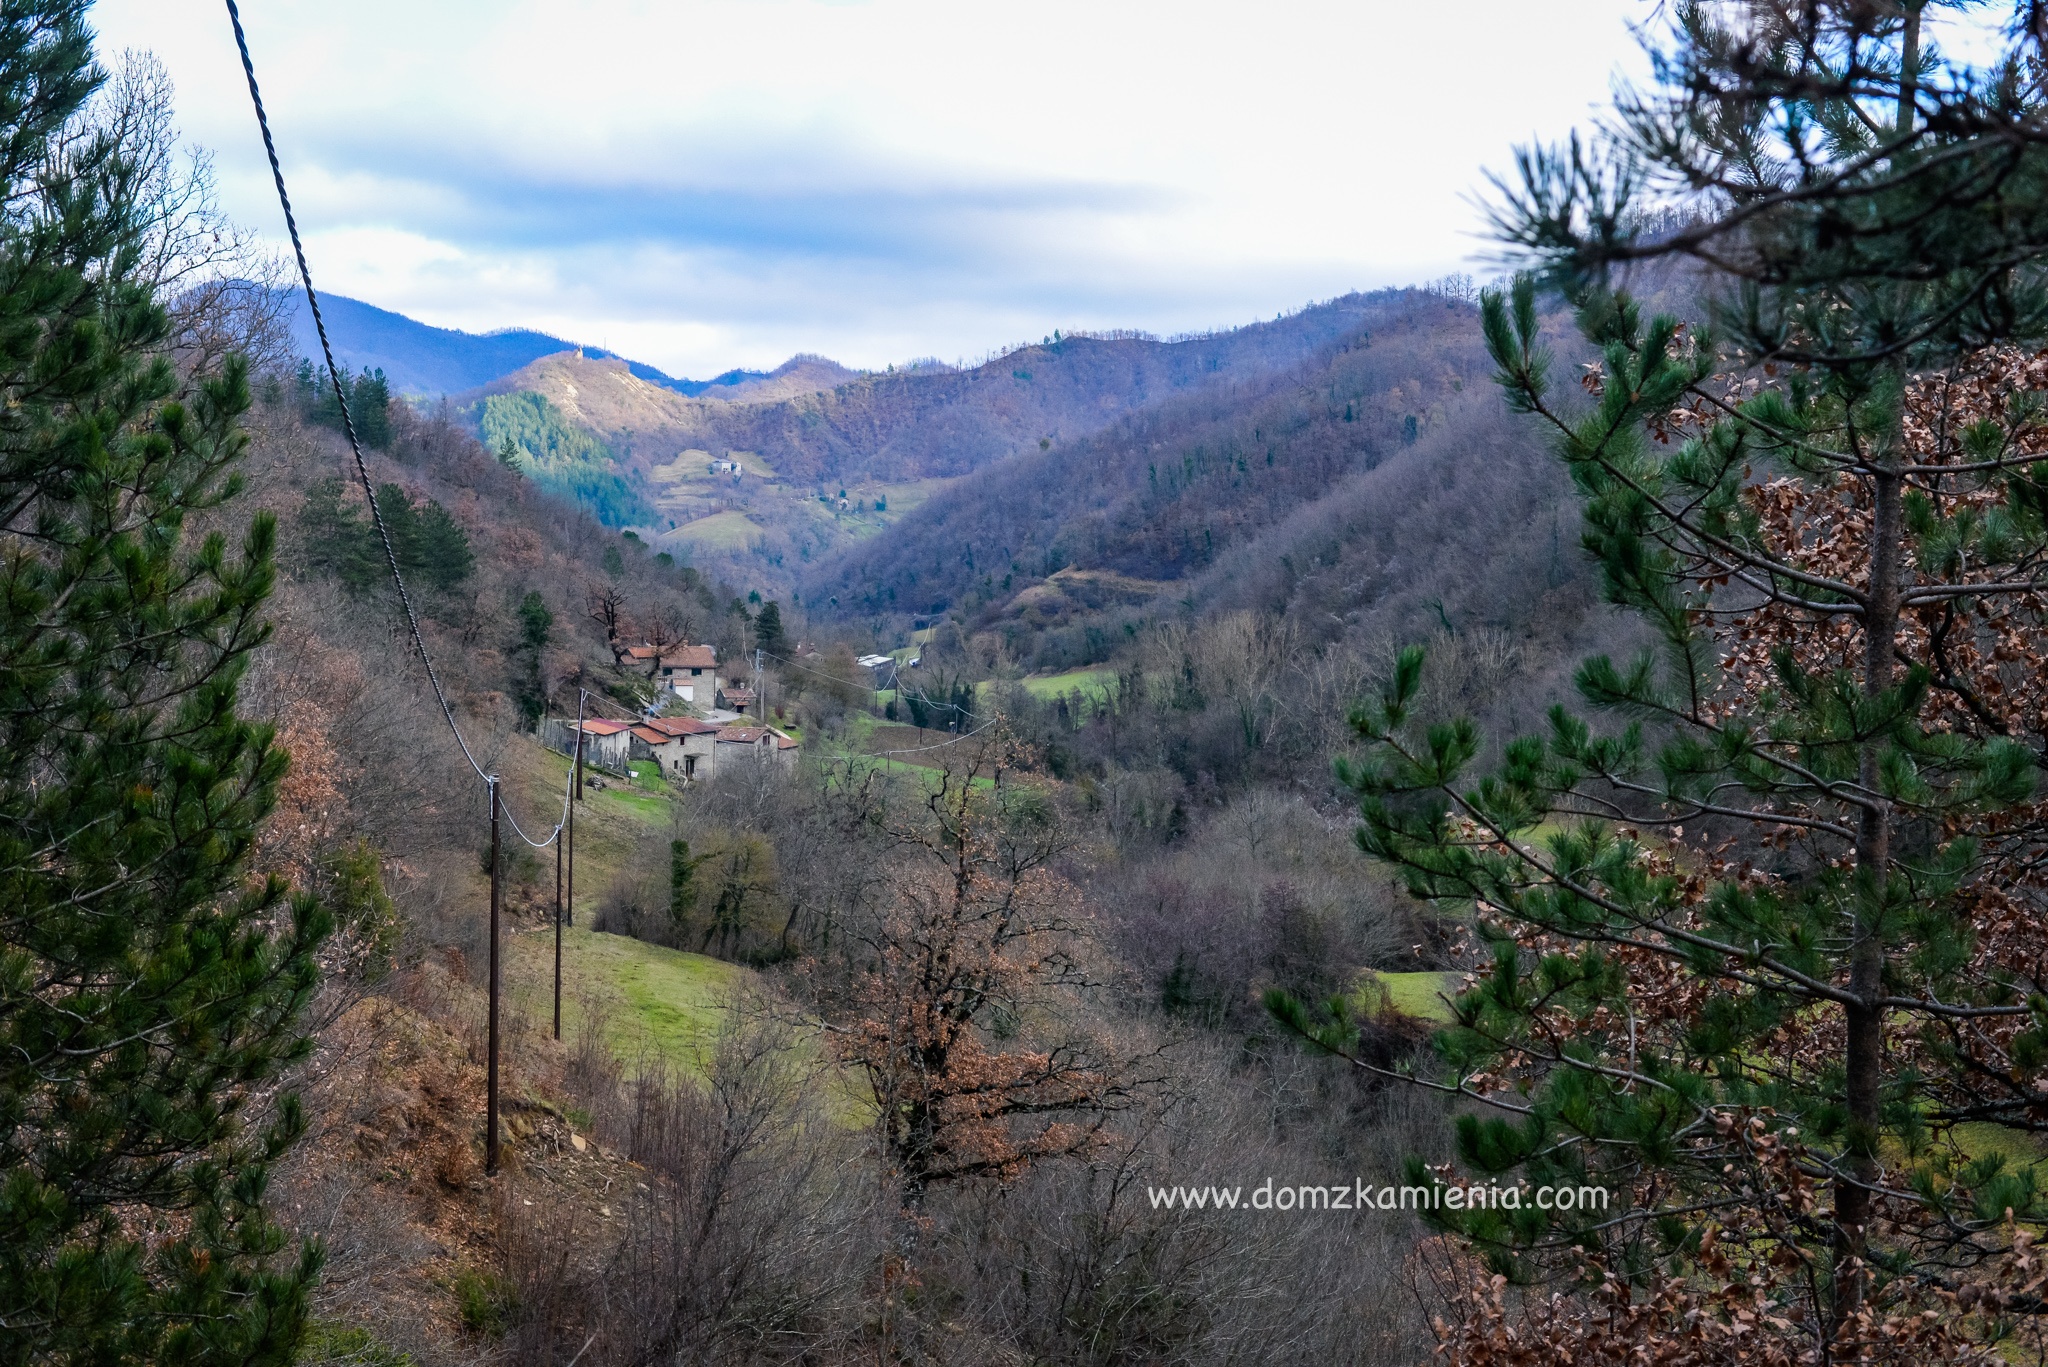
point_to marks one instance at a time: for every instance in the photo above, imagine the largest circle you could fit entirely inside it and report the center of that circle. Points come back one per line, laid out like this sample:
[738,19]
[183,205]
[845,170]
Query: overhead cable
[341,395]
[568,791]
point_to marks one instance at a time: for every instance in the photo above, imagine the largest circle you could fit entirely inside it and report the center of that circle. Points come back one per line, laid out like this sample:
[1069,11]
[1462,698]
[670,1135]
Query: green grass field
[651,808]
[861,518]
[1089,682]
[727,531]
[610,824]
[901,498]
[655,1003]
[693,467]
[1418,995]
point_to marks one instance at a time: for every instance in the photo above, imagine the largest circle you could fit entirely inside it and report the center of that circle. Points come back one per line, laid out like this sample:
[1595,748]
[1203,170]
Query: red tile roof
[652,736]
[678,657]
[601,726]
[682,726]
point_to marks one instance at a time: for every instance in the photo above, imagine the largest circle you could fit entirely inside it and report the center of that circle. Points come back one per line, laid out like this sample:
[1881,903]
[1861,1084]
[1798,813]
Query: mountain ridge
[423,361]
[786,470]
[1276,494]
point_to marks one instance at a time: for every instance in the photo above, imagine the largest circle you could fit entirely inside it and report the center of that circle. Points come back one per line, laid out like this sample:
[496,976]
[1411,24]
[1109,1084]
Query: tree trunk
[1864,1052]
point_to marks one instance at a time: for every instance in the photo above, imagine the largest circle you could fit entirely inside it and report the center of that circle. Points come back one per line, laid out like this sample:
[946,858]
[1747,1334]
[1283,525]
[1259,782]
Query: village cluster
[687,748]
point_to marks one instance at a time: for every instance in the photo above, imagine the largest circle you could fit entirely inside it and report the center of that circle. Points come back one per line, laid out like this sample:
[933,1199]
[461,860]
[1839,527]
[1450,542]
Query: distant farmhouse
[689,672]
[735,694]
[686,749]
[606,744]
[735,745]
[682,746]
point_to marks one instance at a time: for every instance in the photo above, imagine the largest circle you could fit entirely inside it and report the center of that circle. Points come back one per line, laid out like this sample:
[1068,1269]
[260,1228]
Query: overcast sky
[702,184]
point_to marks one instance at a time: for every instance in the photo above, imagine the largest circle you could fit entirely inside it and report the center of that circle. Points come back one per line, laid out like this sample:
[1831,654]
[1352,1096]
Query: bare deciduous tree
[605,604]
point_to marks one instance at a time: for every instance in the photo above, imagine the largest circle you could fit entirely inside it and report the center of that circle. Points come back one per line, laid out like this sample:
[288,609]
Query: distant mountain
[783,470]
[800,374]
[420,360]
[1377,485]
[1160,493]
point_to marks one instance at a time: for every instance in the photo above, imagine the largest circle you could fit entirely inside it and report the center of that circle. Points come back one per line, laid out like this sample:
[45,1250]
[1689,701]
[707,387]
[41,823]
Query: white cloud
[704,183]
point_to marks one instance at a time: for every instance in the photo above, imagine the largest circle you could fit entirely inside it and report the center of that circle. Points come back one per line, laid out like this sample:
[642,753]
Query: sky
[703,184]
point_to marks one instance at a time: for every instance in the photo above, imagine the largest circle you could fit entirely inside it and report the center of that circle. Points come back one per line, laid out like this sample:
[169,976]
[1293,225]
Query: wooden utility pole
[558,936]
[491,1078]
[569,906]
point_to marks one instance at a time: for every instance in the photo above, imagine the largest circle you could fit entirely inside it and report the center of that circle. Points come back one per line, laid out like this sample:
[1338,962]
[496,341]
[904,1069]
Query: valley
[815,433]
[1455,824]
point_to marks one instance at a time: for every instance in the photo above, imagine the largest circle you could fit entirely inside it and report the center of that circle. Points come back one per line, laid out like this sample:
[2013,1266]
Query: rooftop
[677,657]
[682,726]
[754,735]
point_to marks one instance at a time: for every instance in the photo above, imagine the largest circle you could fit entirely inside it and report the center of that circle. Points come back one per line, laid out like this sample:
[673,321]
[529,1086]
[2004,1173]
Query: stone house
[737,744]
[689,672]
[682,746]
[606,744]
[736,694]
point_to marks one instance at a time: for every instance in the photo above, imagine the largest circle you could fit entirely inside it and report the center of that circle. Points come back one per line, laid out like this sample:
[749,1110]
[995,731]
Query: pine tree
[401,523]
[432,549]
[440,548]
[536,626]
[682,883]
[369,403]
[336,540]
[768,633]
[1765,925]
[369,407]
[150,989]
[535,622]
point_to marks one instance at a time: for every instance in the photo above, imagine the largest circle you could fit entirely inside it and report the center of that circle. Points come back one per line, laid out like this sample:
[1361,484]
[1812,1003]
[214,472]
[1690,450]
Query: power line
[568,790]
[921,695]
[412,621]
[348,425]
[920,749]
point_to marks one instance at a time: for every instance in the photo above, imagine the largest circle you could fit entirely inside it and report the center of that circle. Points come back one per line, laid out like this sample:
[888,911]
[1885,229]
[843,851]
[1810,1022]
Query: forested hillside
[928,420]
[1485,827]
[1374,486]
[836,457]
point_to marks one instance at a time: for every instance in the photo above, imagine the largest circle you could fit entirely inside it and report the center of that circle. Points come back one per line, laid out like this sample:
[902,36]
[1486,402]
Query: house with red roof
[607,744]
[682,746]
